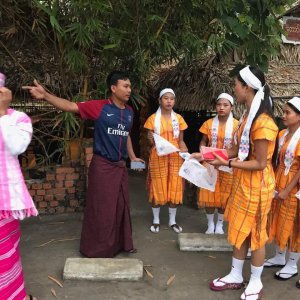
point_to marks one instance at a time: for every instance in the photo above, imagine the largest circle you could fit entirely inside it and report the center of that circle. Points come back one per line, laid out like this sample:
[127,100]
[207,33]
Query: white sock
[255,285]
[278,259]
[210,224]
[156,211]
[219,225]
[291,266]
[235,275]
[172,216]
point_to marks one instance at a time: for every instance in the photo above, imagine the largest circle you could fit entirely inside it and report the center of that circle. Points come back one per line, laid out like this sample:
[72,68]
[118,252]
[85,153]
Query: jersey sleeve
[181,122]
[90,110]
[264,128]
[149,124]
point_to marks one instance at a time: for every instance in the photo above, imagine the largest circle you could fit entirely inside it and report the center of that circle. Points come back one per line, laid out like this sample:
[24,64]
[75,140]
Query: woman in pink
[15,201]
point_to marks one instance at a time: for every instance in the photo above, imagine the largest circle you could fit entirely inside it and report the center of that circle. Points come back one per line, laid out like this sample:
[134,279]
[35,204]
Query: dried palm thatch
[195,85]
[198,84]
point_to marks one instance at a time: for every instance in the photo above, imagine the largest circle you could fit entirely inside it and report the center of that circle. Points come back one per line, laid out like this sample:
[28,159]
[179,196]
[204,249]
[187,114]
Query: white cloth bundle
[163,147]
[197,174]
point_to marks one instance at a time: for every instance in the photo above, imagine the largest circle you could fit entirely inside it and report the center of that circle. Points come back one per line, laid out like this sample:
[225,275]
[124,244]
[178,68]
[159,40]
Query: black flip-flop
[278,277]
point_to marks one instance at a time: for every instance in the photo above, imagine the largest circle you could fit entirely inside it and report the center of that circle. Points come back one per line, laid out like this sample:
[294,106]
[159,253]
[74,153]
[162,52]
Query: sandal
[278,277]
[31,297]
[226,286]
[298,284]
[176,228]
[259,295]
[154,228]
[269,264]
[132,251]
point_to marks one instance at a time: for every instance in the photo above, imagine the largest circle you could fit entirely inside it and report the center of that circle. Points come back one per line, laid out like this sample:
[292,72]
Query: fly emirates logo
[120,131]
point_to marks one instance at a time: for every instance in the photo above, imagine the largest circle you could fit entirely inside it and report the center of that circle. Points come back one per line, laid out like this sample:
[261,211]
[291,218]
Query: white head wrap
[227,97]
[296,102]
[252,81]
[167,90]
[157,120]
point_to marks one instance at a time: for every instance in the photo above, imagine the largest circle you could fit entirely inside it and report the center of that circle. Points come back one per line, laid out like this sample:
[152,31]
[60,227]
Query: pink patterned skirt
[11,273]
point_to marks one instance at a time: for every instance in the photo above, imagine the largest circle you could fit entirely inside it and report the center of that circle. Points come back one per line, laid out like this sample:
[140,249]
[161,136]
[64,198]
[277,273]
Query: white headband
[296,102]
[250,78]
[167,90]
[226,96]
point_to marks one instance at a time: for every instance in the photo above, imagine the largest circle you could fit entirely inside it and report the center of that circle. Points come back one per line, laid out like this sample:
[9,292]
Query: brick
[59,197]
[59,184]
[41,192]
[42,211]
[74,176]
[49,197]
[71,190]
[50,177]
[38,198]
[71,196]
[70,209]
[54,203]
[65,170]
[74,203]
[32,192]
[60,209]
[59,191]
[60,177]
[69,183]
[43,204]
[37,186]
[51,210]
[47,186]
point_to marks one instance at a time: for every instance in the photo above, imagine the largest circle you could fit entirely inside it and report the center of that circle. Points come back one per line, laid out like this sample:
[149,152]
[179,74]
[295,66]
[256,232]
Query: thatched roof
[198,84]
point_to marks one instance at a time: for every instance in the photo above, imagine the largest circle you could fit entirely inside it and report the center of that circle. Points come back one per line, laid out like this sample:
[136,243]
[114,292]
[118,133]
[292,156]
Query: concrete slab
[203,242]
[103,269]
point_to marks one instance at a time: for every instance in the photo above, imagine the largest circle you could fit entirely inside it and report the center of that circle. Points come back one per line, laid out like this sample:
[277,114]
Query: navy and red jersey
[112,127]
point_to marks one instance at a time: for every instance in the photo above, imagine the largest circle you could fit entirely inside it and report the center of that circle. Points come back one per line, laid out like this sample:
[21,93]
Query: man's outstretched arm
[37,91]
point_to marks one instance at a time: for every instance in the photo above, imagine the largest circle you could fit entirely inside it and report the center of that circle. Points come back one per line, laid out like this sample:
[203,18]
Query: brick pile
[63,189]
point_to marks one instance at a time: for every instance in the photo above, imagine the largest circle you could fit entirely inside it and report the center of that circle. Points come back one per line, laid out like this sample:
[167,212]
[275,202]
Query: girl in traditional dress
[285,213]
[164,184]
[253,182]
[15,201]
[218,133]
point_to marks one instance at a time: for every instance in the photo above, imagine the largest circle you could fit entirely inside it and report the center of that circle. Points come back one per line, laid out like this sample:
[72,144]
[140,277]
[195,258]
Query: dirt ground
[48,240]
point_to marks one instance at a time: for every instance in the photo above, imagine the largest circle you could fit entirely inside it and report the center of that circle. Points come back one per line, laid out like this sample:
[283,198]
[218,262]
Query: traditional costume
[252,191]
[106,228]
[285,214]
[164,183]
[15,202]
[218,137]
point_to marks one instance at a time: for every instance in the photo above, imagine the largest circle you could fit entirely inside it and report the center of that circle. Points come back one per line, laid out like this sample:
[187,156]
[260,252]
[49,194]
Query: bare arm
[37,91]
[258,163]
[182,145]
[130,151]
[204,141]
[150,137]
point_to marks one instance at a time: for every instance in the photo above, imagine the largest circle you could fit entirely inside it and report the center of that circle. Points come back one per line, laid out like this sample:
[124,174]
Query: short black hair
[114,76]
